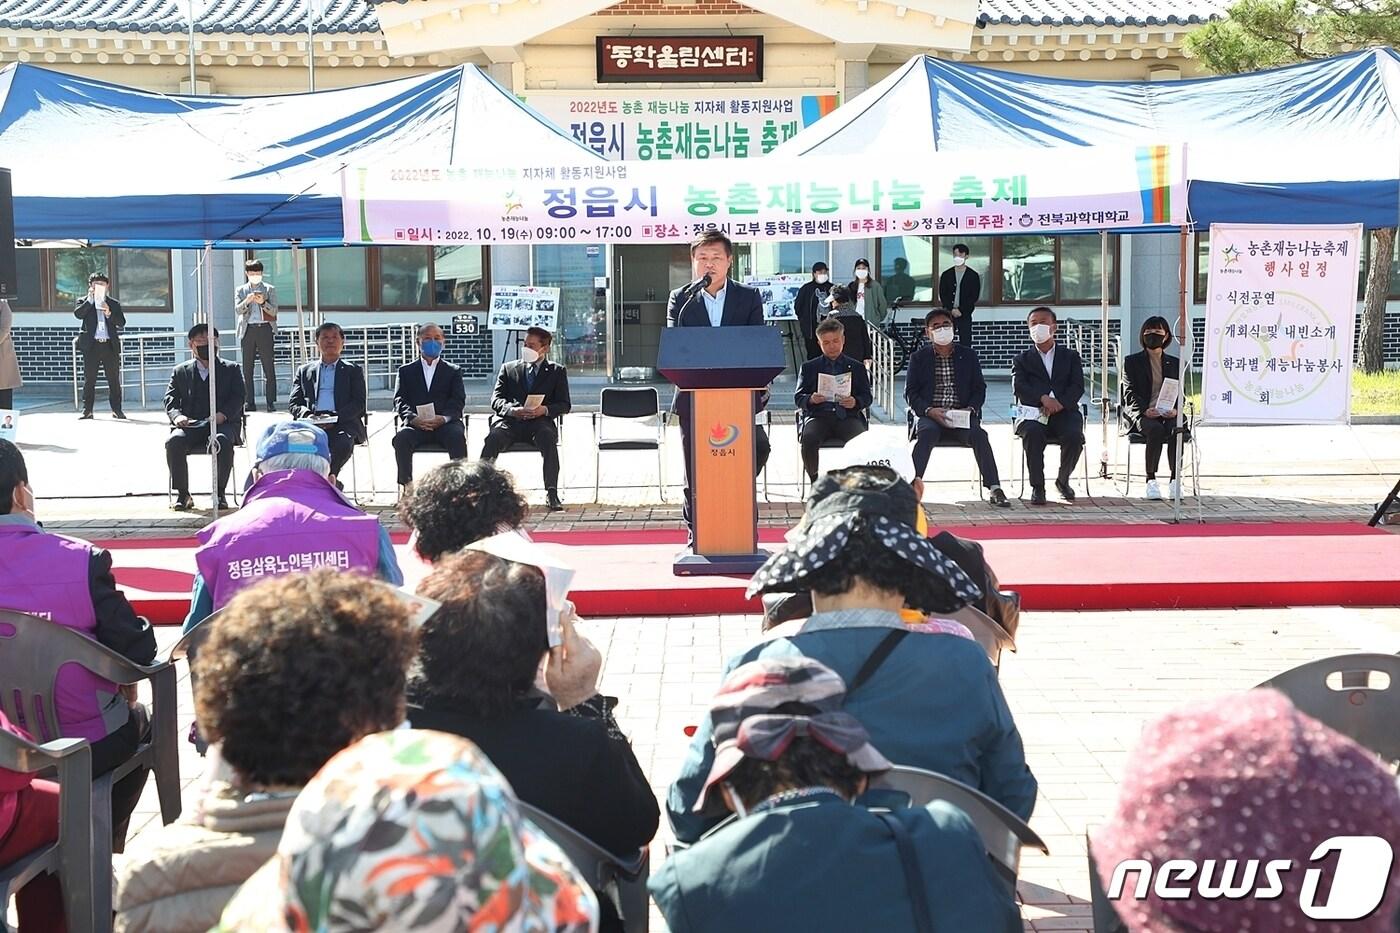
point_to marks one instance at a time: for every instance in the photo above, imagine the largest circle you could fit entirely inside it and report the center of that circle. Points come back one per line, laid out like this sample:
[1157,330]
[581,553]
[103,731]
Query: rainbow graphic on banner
[816,106]
[1154,177]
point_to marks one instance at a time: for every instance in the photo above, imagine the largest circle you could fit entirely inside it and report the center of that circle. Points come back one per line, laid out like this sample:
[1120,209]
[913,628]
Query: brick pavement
[1081,687]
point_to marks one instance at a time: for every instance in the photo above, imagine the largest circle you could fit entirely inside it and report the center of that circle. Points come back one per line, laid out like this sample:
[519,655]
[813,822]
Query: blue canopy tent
[107,164]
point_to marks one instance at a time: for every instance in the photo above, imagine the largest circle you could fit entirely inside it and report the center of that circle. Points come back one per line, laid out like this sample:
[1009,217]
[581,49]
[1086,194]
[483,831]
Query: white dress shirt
[714,304]
[1048,358]
[428,370]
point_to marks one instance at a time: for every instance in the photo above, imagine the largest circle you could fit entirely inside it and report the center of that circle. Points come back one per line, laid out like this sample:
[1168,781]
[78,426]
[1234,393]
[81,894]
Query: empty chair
[621,878]
[1354,702]
[630,404]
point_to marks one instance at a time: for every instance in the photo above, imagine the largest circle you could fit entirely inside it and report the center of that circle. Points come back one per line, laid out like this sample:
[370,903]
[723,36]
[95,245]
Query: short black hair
[805,763]
[253,265]
[422,328]
[830,326]
[327,326]
[456,503]
[819,266]
[710,237]
[13,472]
[1048,310]
[298,667]
[541,333]
[961,248]
[1155,320]
[99,277]
[937,312]
[199,330]
[480,651]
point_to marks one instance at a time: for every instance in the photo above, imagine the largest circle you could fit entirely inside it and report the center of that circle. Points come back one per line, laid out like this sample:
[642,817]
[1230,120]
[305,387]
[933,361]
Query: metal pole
[1183,333]
[1103,349]
[214,438]
[193,89]
[298,345]
[310,45]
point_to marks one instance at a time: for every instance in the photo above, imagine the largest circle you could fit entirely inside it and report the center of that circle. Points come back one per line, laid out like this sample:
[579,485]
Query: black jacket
[743,307]
[968,384]
[188,395]
[860,387]
[551,381]
[447,393]
[967,297]
[1029,381]
[809,305]
[857,334]
[349,396]
[87,313]
[1135,388]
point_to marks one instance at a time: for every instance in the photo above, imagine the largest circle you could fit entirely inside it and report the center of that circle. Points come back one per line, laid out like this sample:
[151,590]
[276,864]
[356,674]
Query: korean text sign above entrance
[1070,189]
[679,58]
[1280,324]
[647,126]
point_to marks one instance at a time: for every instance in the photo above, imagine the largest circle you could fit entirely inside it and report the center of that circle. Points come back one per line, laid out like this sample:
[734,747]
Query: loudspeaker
[9,277]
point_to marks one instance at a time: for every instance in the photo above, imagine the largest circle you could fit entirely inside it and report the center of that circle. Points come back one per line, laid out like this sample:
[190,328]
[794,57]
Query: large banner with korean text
[1067,190]
[1280,324]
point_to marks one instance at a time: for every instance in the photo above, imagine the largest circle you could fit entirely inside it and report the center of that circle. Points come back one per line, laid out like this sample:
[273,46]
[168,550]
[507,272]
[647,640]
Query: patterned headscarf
[417,831]
[1244,777]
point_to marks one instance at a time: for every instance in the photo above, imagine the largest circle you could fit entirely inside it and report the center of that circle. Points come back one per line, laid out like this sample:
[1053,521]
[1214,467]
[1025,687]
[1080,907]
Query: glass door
[643,276]
[581,343]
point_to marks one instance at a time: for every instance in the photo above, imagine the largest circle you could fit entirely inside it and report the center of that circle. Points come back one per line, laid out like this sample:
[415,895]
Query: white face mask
[254,280]
[530,355]
[1040,333]
[862,274]
[821,278]
[959,260]
[943,336]
[99,293]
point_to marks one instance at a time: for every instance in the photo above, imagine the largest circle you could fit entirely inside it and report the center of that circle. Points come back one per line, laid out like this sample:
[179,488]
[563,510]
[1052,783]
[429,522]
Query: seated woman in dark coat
[477,662]
[1140,385]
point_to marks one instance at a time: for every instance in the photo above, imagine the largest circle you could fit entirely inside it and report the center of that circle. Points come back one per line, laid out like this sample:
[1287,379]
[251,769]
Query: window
[342,276]
[71,270]
[394,277]
[457,277]
[142,278]
[404,276]
[769,258]
[277,272]
[581,343]
[1014,269]
[29,270]
[1365,265]
[57,279]
[1202,270]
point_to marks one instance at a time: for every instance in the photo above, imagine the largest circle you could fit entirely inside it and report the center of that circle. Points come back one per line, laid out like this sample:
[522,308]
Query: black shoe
[1066,490]
[553,502]
[119,415]
[1038,495]
[998,499]
[250,407]
[184,502]
[338,485]
[223,504]
[85,416]
[271,407]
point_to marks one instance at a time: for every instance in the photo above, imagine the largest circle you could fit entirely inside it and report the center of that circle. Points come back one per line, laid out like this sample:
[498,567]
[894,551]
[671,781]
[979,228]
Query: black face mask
[202,352]
[1154,341]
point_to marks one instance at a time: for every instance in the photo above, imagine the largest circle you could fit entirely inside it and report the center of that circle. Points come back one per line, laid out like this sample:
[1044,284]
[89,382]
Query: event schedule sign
[1052,190]
[1280,324]
[650,126]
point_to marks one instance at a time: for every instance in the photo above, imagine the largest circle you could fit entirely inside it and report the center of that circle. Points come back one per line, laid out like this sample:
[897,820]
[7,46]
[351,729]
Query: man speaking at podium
[711,300]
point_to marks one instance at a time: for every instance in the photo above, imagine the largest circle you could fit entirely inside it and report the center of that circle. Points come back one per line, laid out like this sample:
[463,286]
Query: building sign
[1280,322]
[648,126]
[1070,189]
[679,58]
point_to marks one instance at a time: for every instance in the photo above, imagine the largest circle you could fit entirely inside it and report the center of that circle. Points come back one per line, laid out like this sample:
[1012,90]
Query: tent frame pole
[1183,340]
[214,438]
[298,345]
[1103,350]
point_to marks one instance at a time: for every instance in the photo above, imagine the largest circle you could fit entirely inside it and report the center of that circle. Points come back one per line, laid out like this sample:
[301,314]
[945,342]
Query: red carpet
[1053,566]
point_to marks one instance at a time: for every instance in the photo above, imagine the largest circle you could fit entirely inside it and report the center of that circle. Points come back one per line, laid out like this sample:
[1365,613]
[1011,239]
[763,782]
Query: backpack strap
[877,657]
[913,877]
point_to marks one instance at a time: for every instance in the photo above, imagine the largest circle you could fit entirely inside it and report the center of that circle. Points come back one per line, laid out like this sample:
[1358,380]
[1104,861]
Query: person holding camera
[255,304]
[100,342]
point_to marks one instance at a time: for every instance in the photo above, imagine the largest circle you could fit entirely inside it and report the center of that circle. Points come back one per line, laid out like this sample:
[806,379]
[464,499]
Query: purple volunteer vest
[47,575]
[291,520]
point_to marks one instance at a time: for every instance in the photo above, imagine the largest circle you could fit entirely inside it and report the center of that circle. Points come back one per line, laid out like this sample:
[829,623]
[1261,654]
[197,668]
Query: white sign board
[517,307]
[1280,323]
[779,294]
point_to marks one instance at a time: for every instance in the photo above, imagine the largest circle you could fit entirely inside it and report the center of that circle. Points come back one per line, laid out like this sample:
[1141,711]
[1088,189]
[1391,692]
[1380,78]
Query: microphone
[694,288]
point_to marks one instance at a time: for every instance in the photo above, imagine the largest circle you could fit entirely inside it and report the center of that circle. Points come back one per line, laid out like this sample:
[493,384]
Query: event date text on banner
[972,193]
[1280,324]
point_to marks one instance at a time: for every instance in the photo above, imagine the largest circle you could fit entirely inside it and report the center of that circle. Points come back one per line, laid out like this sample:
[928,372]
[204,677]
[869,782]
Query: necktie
[529,377]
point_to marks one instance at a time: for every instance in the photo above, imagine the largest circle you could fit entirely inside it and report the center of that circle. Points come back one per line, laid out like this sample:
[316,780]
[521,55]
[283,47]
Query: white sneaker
[1174,489]
[1152,491]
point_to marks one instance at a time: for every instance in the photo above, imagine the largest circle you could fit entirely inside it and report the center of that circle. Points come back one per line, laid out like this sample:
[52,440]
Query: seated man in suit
[946,376]
[332,386]
[831,417]
[514,420]
[187,406]
[429,380]
[721,303]
[1051,378]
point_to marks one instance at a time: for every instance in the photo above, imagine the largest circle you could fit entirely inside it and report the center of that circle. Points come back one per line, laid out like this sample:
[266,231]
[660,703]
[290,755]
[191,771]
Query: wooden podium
[720,368]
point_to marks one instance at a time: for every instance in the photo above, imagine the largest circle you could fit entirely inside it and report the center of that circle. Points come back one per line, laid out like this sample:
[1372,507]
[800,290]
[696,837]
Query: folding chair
[433,447]
[73,858]
[621,880]
[1017,440]
[354,461]
[1003,833]
[185,650]
[239,443]
[911,429]
[1349,703]
[832,443]
[629,404]
[1125,433]
[34,650]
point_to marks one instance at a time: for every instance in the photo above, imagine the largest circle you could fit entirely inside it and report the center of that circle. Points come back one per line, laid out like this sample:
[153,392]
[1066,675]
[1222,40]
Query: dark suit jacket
[860,387]
[1135,388]
[447,393]
[857,334]
[1029,381]
[87,313]
[809,305]
[967,297]
[552,381]
[188,395]
[743,307]
[349,395]
[968,383]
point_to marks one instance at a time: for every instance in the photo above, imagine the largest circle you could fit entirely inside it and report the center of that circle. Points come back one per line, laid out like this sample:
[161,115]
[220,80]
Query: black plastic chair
[1349,704]
[240,442]
[831,443]
[1050,442]
[1131,437]
[77,856]
[185,650]
[911,430]
[623,880]
[433,447]
[632,404]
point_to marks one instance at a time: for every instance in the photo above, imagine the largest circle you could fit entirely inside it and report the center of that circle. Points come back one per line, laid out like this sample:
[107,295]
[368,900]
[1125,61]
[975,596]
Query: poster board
[779,294]
[1280,323]
[517,307]
[9,425]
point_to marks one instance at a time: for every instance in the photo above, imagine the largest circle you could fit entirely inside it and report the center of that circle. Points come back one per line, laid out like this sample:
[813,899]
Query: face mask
[1040,333]
[1154,341]
[99,293]
[202,351]
[821,278]
[943,336]
[862,274]
[254,280]
[432,349]
[529,355]
[959,260]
